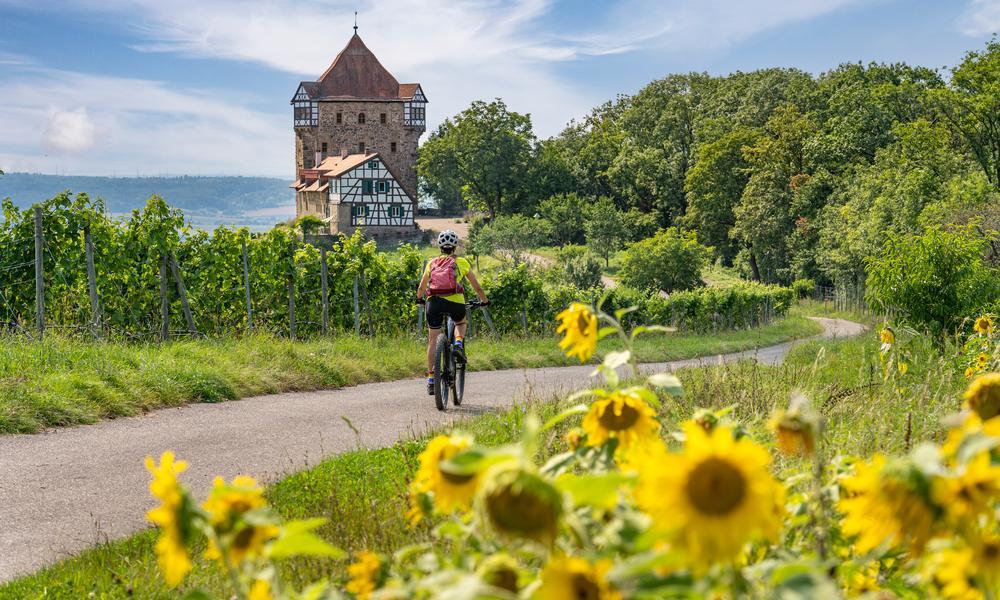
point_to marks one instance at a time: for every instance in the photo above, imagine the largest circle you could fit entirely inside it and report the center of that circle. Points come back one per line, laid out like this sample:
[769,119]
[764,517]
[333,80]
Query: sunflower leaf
[579,409]
[475,459]
[667,382]
[606,331]
[600,491]
[613,360]
[298,540]
[641,329]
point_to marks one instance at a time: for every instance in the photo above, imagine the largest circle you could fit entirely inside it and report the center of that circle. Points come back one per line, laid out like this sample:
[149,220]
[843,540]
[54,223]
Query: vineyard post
[39,274]
[164,301]
[325,291]
[182,292]
[489,321]
[357,310]
[420,309]
[246,286]
[95,307]
[368,306]
[524,319]
[291,307]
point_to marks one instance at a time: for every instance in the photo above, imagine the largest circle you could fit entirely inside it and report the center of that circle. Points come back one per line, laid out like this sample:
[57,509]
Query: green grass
[363,492]
[60,381]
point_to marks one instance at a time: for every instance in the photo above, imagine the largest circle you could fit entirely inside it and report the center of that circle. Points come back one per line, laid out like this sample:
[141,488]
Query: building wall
[379,204]
[375,136]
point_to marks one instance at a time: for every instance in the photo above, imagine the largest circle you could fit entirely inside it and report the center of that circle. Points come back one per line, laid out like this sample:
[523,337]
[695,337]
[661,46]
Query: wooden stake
[325,291]
[246,287]
[368,306]
[182,292]
[357,311]
[164,301]
[291,307]
[95,307]
[39,274]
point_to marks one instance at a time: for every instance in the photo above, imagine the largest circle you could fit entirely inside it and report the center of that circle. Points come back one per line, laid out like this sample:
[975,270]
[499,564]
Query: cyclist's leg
[435,318]
[459,315]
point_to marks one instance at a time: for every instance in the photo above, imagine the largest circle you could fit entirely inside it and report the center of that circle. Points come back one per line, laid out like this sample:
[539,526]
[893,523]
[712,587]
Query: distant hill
[255,202]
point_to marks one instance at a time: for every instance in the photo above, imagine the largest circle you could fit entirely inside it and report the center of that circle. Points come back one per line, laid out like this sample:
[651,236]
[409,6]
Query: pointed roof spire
[355,22]
[356,73]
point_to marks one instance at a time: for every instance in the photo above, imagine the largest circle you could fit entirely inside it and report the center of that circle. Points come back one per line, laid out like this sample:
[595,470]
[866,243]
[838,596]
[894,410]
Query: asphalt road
[67,489]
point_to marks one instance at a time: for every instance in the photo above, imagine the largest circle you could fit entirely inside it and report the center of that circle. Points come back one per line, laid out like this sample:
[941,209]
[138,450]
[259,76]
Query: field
[364,493]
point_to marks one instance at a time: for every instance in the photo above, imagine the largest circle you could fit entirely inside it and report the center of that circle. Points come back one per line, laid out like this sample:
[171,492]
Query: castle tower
[357,107]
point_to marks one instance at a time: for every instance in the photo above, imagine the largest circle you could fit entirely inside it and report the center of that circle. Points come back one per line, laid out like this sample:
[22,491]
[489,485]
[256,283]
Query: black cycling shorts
[438,307]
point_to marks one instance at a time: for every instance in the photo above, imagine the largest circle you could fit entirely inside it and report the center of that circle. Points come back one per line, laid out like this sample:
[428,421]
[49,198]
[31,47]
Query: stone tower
[357,106]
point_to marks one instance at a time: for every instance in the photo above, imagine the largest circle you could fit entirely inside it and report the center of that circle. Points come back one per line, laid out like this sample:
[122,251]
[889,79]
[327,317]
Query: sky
[202,87]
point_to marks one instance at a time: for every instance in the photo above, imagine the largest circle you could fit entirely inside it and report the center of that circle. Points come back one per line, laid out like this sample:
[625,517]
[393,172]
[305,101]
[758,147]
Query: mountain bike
[449,373]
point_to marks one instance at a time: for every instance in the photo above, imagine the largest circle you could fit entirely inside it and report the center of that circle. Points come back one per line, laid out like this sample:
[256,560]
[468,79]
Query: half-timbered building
[355,111]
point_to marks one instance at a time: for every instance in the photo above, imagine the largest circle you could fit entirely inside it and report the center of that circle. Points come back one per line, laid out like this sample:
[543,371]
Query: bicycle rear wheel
[442,376]
[458,392]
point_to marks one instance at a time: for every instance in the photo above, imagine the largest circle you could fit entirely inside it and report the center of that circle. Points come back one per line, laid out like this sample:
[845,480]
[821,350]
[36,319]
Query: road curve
[67,489]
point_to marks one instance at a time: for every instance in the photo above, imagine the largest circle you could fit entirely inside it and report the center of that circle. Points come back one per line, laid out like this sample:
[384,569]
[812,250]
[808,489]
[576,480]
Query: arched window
[361,118]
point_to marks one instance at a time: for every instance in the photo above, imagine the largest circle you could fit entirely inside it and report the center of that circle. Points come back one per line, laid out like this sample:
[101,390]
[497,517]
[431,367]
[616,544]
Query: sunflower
[969,372]
[579,325]
[986,555]
[972,492]
[887,337]
[621,415]
[794,431]
[569,578]
[260,590]
[880,504]
[983,396]
[171,517]
[951,571]
[574,438]
[500,571]
[365,574]
[981,361]
[227,505]
[713,497]
[517,503]
[862,580]
[970,427]
[450,492]
[984,325]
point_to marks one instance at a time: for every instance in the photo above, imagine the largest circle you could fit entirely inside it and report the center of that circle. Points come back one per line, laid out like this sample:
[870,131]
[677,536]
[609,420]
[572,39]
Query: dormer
[414,105]
[305,110]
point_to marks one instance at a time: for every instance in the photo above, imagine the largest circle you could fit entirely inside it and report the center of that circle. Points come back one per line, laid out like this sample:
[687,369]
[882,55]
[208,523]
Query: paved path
[67,489]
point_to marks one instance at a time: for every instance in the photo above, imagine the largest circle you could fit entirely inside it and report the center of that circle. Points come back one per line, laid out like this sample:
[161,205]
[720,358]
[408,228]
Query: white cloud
[980,17]
[70,131]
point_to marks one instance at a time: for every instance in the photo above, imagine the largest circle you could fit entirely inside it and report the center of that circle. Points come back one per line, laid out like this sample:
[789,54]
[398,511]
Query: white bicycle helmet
[447,239]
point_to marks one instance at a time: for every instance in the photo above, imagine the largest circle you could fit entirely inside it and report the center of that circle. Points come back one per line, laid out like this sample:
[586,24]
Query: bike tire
[458,389]
[441,358]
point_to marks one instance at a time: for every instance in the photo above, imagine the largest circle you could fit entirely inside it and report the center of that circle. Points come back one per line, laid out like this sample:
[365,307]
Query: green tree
[605,229]
[484,151]
[580,267]
[309,224]
[511,237]
[669,261]
[567,214]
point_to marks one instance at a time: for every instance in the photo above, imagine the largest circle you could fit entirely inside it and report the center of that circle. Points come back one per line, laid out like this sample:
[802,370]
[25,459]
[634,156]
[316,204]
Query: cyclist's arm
[475,285]
[422,287]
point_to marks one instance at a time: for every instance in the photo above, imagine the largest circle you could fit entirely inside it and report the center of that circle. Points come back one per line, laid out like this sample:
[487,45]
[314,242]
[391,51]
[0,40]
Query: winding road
[67,489]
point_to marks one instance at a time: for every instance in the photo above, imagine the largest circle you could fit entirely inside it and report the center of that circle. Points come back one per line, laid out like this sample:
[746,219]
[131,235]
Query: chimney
[319,159]
[343,152]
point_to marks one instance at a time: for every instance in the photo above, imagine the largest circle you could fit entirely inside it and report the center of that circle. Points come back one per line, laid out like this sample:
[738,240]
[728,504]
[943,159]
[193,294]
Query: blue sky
[201,87]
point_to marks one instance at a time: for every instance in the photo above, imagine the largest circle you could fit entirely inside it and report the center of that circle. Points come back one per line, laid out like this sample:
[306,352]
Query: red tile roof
[357,73]
[335,166]
[406,90]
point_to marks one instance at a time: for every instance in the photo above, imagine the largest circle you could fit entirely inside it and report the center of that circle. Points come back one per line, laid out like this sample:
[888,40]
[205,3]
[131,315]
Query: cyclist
[441,288]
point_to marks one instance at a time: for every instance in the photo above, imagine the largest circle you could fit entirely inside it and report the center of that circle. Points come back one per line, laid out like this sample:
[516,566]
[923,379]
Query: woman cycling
[441,288]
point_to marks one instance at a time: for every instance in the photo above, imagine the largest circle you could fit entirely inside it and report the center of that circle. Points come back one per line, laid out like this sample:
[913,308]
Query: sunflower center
[991,551]
[618,422]
[715,487]
[584,588]
[582,322]
[520,512]
[244,538]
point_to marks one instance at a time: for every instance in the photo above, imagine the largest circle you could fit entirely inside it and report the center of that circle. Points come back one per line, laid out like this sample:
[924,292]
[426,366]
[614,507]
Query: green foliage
[580,267]
[669,261]
[710,309]
[309,224]
[933,280]
[511,237]
[803,288]
[605,229]
[567,214]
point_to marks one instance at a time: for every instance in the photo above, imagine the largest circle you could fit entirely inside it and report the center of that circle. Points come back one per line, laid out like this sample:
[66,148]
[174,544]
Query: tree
[605,229]
[438,169]
[567,214]
[972,106]
[309,224]
[581,268]
[669,261]
[484,151]
[512,236]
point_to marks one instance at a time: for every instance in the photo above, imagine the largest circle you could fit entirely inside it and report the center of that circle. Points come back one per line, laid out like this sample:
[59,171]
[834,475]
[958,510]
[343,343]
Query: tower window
[361,118]
[361,147]
[340,118]
[323,150]
[381,118]
[392,147]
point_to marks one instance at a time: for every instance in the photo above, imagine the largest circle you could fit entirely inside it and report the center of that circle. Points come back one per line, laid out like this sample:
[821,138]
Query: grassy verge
[363,492]
[61,381]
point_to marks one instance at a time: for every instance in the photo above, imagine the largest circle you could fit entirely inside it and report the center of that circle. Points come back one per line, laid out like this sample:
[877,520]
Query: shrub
[511,237]
[932,280]
[704,309]
[515,293]
[670,260]
[567,213]
[580,267]
[803,288]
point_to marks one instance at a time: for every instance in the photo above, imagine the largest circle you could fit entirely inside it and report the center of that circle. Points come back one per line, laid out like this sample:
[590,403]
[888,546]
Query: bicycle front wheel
[442,376]
[458,393]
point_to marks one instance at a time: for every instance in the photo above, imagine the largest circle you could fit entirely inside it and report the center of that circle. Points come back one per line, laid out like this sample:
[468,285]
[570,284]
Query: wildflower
[887,337]
[260,590]
[500,571]
[171,517]
[984,325]
[880,504]
[623,416]
[578,324]
[575,438]
[517,503]
[227,505]
[365,574]
[983,396]
[714,496]
[902,367]
[970,493]
[981,361]
[795,429]
[568,578]
[969,372]
[450,491]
